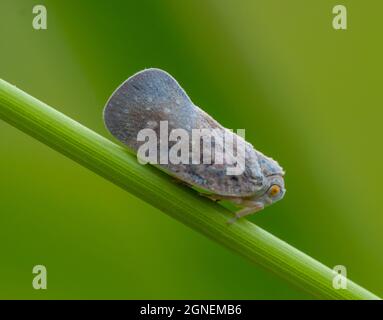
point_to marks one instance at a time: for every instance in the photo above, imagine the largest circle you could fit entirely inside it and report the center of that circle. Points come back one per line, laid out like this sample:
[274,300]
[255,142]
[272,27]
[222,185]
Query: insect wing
[152,96]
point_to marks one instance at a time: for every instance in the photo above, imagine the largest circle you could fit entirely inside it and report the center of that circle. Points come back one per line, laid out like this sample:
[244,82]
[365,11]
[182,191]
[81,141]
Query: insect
[151,98]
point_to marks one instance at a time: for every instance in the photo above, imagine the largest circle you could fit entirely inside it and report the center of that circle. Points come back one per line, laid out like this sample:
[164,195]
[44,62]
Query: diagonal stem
[151,185]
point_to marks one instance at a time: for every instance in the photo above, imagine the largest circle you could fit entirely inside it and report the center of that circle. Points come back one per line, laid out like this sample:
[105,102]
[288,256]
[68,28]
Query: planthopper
[154,117]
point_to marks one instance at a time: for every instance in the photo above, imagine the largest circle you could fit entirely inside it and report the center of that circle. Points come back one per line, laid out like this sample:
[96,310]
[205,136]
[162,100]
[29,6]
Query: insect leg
[213,197]
[180,182]
[245,212]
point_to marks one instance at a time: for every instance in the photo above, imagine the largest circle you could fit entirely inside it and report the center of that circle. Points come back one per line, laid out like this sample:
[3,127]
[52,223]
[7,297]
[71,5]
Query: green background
[307,95]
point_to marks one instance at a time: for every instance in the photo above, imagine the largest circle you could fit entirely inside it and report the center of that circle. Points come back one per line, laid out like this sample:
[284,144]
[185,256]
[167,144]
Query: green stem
[117,165]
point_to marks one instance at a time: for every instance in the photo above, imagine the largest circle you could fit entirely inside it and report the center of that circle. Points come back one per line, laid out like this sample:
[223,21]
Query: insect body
[152,102]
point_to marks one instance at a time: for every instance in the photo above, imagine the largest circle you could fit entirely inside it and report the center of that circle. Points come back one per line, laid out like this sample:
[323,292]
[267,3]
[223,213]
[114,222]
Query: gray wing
[151,96]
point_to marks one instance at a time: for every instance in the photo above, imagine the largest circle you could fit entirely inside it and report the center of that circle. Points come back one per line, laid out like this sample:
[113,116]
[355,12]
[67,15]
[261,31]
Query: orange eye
[274,190]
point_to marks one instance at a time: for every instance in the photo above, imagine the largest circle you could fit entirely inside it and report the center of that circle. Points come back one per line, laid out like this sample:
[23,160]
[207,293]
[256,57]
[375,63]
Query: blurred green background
[307,95]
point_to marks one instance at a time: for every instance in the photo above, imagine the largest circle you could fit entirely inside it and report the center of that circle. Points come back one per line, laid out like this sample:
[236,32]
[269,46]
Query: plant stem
[151,185]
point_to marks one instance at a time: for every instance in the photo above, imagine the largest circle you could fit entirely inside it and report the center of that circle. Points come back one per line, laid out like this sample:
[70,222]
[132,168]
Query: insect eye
[274,190]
